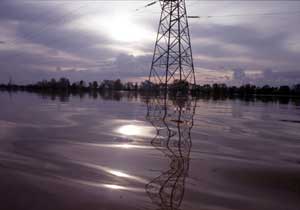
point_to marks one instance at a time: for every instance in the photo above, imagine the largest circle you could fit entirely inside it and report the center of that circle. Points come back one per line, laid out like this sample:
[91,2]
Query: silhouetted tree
[147,85]
[107,85]
[179,86]
[117,85]
[63,84]
[296,89]
[95,85]
[284,90]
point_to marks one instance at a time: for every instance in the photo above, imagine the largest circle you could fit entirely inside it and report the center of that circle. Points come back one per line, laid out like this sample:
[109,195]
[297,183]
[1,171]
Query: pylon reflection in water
[173,121]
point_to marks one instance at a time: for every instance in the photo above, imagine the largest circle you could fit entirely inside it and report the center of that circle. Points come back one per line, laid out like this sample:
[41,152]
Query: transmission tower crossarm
[193,16]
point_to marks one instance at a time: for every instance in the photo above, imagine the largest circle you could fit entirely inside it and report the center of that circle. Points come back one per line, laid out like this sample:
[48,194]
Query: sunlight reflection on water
[114,172]
[130,130]
[136,129]
[216,154]
[102,185]
[120,146]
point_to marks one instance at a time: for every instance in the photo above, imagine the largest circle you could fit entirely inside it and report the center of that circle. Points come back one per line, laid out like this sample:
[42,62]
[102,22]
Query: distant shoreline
[177,88]
[115,95]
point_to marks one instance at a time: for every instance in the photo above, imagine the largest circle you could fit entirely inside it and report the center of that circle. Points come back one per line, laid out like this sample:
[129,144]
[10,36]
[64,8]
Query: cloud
[239,74]
[240,41]
[267,76]
[46,38]
[33,11]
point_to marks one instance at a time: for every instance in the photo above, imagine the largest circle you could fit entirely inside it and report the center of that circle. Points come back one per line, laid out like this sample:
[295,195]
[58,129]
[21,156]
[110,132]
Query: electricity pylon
[172,58]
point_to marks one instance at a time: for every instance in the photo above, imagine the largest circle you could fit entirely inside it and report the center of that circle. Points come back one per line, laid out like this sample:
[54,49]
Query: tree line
[64,84]
[177,87]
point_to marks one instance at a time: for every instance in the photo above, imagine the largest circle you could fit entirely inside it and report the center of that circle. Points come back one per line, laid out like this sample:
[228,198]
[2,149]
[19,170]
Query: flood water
[137,152]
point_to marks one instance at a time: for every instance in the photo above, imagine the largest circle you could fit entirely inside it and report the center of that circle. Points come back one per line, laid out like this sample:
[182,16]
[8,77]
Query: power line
[63,18]
[147,5]
[250,14]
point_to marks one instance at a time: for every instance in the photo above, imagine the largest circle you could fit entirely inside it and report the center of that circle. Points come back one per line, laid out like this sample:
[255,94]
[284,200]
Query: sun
[121,27]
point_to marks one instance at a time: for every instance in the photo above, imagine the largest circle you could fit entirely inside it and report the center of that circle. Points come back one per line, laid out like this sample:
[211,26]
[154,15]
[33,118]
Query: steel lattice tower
[172,58]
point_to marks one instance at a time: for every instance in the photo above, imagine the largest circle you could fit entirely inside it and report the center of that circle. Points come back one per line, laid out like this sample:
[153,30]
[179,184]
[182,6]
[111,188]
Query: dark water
[85,153]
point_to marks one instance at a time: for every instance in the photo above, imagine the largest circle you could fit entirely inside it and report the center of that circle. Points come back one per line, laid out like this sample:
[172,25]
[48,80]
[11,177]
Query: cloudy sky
[243,41]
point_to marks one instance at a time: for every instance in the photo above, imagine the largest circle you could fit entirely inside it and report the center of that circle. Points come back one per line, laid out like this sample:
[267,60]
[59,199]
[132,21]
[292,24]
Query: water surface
[137,152]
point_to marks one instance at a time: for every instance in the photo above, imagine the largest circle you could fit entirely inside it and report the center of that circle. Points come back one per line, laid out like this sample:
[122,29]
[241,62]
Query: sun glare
[135,129]
[114,187]
[130,130]
[118,26]
[122,27]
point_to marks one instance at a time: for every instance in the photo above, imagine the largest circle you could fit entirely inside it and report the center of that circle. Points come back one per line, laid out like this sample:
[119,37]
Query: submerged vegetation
[63,85]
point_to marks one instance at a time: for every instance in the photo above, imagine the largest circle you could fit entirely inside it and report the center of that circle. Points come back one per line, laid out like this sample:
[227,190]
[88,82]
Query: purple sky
[96,40]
